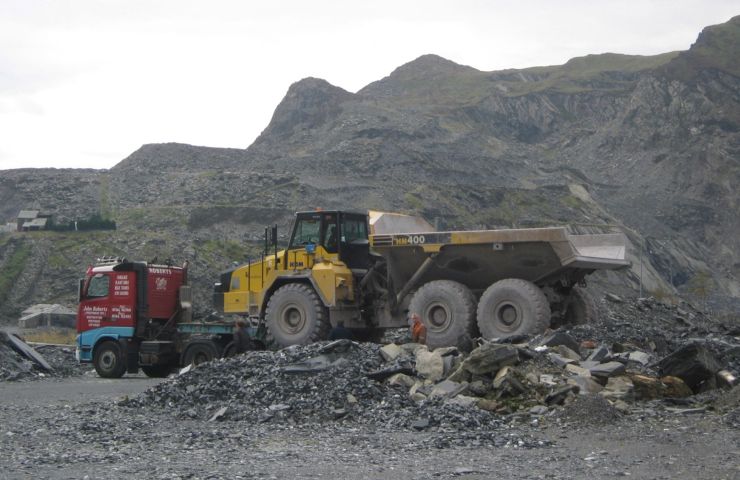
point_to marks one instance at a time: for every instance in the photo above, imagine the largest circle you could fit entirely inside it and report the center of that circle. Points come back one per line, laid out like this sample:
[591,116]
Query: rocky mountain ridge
[645,145]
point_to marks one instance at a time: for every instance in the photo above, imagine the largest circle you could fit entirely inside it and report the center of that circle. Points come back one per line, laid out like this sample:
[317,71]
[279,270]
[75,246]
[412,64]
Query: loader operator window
[98,286]
[353,229]
[307,230]
[330,234]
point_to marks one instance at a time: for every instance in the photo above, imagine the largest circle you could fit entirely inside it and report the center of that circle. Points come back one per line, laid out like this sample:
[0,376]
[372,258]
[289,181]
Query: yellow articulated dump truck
[370,271]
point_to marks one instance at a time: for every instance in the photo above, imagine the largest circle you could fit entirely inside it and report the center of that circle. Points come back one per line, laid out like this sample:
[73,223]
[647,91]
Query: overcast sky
[85,83]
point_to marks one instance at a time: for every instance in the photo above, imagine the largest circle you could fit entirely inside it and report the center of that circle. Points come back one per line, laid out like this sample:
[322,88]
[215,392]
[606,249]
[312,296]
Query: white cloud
[84,83]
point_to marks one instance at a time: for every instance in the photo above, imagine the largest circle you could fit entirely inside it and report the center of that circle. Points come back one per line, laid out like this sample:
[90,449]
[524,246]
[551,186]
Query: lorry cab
[122,304]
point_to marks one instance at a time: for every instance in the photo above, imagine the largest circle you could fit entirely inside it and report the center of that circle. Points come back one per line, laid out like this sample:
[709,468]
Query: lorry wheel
[109,361]
[198,353]
[512,307]
[295,315]
[581,308]
[447,309]
[156,371]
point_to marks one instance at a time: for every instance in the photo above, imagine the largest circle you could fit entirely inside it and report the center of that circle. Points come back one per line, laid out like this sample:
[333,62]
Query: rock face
[647,143]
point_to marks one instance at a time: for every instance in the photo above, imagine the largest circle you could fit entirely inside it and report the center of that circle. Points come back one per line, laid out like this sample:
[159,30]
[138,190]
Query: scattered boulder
[619,388]
[561,338]
[558,396]
[647,388]
[639,357]
[576,370]
[692,363]
[447,389]
[559,360]
[599,354]
[401,379]
[508,382]
[603,371]
[390,352]
[568,353]
[490,357]
[430,365]
[586,385]
[675,387]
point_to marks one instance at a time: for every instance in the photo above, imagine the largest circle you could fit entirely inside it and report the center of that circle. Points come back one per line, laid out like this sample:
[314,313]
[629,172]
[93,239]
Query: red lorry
[135,315]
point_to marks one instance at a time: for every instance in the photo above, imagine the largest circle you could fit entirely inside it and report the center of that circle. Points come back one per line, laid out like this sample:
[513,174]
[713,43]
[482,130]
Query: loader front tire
[295,315]
[447,309]
[512,307]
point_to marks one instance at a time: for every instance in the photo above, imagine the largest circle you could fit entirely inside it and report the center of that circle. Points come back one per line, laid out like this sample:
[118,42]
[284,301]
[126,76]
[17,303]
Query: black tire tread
[582,309]
[533,294]
[322,326]
[462,332]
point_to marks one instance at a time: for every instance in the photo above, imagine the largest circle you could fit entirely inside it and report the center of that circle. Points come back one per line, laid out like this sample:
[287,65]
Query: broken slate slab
[463,401]
[575,369]
[561,338]
[558,396]
[317,363]
[619,388]
[508,383]
[647,388]
[390,352]
[599,354]
[606,370]
[693,364]
[490,357]
[585,385]
[219,414]
[559,360]
[639,357]
[448,389]
[24,349]
[566,352]
[401,379]
[430,365]
[675,387]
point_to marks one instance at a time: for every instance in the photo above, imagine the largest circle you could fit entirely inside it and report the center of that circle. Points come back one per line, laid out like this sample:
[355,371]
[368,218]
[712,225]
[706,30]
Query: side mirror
[79,290]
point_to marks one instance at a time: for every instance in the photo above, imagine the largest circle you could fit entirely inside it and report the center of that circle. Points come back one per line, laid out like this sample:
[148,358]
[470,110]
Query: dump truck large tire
[109,360]
[295,315]
[581,308]
[447,309]
[512,307]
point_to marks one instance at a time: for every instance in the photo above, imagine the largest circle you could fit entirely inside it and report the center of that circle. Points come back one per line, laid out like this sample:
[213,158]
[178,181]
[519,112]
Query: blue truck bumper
[86,341]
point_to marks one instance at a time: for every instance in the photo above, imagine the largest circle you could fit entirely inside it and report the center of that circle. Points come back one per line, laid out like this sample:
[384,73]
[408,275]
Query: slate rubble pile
[638,356]
[17,366]
[342,381]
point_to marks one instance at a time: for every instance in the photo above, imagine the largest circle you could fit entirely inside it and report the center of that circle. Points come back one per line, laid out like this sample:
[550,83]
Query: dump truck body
[480,258]
[374,281]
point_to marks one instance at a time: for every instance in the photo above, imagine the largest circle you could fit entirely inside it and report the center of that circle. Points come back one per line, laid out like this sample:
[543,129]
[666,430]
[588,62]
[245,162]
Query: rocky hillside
[646,145]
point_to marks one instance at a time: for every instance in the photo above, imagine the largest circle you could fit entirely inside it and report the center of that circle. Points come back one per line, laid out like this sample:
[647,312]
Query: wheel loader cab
[341,235]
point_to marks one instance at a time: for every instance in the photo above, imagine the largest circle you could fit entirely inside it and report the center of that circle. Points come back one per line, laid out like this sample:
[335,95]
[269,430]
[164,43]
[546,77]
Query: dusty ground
[75,428]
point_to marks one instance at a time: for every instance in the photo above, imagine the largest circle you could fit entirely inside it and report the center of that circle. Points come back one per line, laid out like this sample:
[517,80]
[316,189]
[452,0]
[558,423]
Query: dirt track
[75,428]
